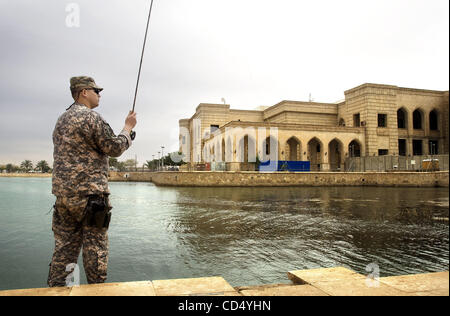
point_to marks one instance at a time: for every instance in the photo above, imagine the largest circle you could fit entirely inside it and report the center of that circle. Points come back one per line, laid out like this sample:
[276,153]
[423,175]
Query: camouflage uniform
[82,143]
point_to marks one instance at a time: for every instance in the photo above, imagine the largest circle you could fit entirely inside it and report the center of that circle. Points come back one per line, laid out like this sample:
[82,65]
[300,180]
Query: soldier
[82,143]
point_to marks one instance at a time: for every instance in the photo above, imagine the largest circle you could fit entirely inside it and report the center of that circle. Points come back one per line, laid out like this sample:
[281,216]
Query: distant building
[373,120]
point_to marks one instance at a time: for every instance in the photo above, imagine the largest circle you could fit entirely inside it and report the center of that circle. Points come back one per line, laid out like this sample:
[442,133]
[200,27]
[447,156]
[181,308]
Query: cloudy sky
[249,52]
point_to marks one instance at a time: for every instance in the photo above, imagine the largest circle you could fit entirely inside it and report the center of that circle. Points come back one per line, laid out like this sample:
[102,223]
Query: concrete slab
[233,293]
[143,288]
[286,290]
[341,281]
[325,274]
[430,293]
[54,291]
[438,283]
[318,282]
[356,287]
[197,286]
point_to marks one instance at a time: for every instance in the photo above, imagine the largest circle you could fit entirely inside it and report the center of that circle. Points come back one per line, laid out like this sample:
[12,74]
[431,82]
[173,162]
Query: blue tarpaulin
[283,165]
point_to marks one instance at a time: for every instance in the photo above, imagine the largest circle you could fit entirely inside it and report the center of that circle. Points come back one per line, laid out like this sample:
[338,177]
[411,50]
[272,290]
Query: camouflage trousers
[70,237]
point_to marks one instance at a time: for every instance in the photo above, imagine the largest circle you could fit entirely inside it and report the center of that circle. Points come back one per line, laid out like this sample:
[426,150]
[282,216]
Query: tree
[26,165]
[130,164]
[42,166]
[113,162]
[121,166]
[11,168]
[169,162]
[151,164]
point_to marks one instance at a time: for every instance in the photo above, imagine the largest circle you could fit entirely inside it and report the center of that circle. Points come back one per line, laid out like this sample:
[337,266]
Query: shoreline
[285,179]
[439,179]
[25,175]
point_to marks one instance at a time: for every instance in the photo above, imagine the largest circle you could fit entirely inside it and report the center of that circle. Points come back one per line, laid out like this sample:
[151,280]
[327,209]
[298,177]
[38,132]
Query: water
[248,236]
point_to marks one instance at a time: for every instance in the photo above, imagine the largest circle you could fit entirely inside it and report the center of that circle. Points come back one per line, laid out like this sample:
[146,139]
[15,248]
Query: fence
[397,163]
[293,166]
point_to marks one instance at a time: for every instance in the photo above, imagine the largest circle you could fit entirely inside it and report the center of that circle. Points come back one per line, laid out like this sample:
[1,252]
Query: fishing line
[133,134]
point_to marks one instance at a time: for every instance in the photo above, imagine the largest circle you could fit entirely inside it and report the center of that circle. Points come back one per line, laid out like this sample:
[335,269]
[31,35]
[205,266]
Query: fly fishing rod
[133,133]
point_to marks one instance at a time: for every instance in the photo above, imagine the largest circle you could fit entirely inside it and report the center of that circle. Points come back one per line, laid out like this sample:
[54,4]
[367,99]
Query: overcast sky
[249,52]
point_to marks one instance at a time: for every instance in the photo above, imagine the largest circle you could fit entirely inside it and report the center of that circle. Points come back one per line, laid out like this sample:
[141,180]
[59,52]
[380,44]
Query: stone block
[323,274]
[357,287]
[420,284]
[195,287]
[283,290]
[144,288]
[341,281]
[54,291]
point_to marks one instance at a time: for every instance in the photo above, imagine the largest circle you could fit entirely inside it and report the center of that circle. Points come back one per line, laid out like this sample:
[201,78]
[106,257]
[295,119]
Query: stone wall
[279,179]
[26,175]
[130,176]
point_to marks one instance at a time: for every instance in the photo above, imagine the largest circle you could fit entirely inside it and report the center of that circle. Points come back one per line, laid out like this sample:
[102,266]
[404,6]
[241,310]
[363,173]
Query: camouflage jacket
[82,143]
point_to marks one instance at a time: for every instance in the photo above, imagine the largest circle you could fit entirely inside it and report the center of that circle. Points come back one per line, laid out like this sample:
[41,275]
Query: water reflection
[268,230]
[246,235]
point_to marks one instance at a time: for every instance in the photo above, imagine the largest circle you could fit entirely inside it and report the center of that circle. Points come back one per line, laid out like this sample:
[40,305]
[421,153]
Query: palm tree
[43,166]
[26,165]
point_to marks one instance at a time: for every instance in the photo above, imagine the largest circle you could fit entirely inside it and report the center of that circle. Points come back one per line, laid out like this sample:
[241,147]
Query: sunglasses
[95,90]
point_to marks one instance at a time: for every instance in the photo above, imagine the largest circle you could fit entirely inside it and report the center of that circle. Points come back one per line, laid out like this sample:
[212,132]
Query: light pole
[152,162]
[162,157]
[159,161]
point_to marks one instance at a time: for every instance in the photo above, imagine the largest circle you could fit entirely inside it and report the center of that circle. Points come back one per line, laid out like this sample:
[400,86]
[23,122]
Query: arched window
[401,118]
[294,147]
[354,149]
[315,156]
[335,156]
[417,119]
[270,148]
[433,121]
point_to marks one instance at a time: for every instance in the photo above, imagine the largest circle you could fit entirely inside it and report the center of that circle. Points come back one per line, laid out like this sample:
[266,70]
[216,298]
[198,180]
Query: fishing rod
[133,133]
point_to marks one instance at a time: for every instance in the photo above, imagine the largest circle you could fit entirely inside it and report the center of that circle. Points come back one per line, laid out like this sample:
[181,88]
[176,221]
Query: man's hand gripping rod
[133,133]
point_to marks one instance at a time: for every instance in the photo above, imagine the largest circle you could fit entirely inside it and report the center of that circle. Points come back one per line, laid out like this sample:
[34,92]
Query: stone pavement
[337,281]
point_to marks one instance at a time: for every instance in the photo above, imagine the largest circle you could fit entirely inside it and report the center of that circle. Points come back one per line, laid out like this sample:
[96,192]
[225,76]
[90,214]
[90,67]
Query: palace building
[373,120]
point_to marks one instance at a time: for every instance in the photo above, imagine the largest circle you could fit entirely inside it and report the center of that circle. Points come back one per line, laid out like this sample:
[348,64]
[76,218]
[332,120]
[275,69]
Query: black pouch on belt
[98,212]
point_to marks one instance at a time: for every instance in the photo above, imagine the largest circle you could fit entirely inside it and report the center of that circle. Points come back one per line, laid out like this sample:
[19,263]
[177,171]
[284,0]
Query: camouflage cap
[83,82]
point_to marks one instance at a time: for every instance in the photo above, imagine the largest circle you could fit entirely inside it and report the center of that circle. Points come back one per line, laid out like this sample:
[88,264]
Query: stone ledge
[285,179]
[337,281]
[341,281]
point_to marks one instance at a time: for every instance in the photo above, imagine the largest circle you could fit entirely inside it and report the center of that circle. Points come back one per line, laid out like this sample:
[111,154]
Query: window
[402,147]
[401,118]
[214,128]
[356,120]
[433,145]
[354,149]
[382,120]
[433,121]
[417,147]
[417,119]
[383,152]
[268,146]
